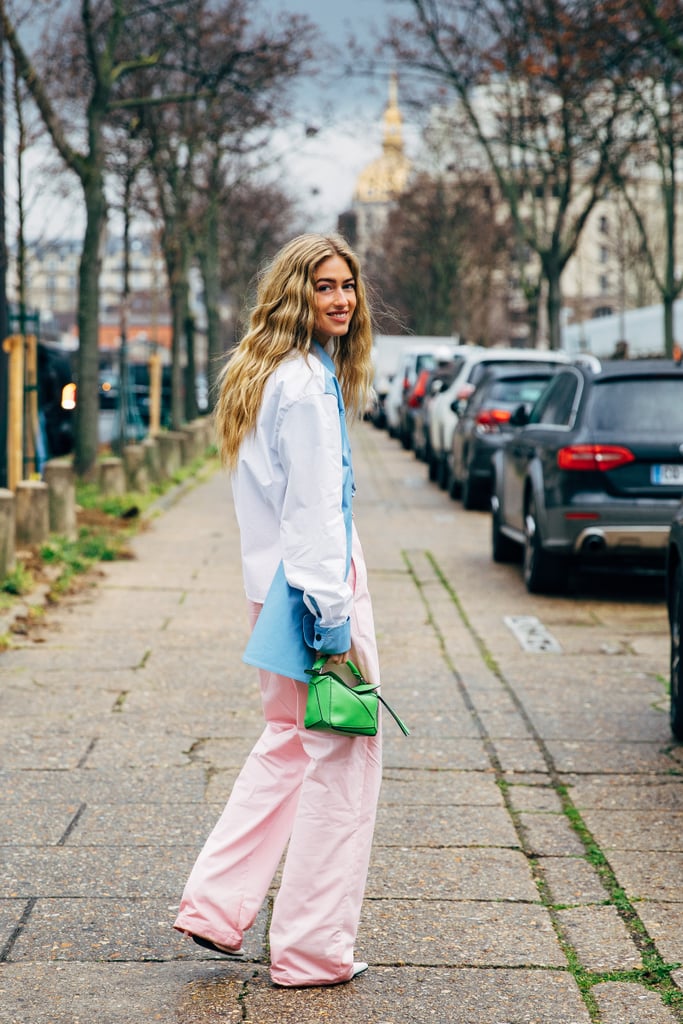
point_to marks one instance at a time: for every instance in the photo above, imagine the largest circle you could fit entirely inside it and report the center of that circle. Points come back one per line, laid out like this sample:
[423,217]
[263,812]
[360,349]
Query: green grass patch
[17,582]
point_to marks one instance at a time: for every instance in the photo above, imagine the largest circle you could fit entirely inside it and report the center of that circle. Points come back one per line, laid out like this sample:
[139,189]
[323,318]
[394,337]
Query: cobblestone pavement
[528,852]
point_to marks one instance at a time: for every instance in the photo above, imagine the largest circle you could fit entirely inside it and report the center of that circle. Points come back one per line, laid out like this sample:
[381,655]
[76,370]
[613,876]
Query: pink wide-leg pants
[317,790]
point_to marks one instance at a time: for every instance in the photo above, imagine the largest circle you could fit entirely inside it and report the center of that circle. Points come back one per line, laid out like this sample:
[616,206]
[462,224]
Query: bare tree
[528,77]
[440,257]
[95,45]
[242,75]
[650,179]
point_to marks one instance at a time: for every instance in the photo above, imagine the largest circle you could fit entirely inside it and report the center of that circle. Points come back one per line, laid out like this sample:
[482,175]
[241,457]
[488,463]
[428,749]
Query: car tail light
[490,420]
[418,392]
[68,396]
[594,456]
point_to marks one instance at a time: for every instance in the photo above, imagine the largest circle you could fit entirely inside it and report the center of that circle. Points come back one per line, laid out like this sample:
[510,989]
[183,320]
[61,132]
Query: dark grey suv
[594,474]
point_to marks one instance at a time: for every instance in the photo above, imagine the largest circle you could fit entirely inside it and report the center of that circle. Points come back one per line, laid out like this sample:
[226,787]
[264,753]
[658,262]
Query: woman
[281,425]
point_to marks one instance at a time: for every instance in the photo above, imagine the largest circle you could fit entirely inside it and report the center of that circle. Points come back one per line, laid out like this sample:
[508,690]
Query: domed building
[380,183]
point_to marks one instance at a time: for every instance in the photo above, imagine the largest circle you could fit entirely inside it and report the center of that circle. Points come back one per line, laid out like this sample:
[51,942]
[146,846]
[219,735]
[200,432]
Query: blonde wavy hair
[281,323]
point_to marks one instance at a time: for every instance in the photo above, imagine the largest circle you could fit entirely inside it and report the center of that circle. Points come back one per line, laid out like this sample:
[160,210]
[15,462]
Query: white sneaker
[359,967]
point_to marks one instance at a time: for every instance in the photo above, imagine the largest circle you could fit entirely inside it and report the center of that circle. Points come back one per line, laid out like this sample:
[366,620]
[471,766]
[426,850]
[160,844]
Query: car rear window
[649,405]
[517,391]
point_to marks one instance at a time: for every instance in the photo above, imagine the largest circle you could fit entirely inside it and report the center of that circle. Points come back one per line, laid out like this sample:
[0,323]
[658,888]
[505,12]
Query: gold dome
[387,176]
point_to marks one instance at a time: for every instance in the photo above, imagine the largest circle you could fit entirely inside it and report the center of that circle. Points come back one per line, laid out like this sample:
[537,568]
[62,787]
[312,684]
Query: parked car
[439,378]
[674,594]
[484,424]
[443,415]
[594,474]
[423,356]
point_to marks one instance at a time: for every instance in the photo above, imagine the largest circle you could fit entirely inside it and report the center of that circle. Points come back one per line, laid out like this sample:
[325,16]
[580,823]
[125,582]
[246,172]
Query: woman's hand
[338,659]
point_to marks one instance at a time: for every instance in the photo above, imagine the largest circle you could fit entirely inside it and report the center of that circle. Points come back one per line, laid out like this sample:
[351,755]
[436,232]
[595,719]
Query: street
[529,846]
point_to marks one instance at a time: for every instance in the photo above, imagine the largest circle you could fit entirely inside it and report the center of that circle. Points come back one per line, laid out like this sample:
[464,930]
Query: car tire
[442,472]
[472,493]
[544,573]
[503,549]
[676,619]
[432,465]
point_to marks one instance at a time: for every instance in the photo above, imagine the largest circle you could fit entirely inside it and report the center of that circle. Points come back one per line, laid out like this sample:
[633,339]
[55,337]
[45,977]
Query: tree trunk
[209,261]
[87,409]
[554,307]
[669,340]
[178,317]
[191,408]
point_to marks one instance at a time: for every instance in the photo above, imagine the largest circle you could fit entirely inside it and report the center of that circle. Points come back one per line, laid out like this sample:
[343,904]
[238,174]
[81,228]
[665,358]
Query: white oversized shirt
[287,489]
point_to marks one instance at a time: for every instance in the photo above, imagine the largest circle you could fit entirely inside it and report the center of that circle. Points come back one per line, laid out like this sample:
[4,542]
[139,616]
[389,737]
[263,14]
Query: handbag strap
[362,687]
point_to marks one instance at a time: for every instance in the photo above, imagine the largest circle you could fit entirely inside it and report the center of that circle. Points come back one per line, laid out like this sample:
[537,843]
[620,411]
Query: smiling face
[335,298]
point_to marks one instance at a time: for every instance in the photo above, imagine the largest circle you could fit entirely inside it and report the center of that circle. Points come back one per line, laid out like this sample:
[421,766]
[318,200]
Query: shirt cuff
[327,639]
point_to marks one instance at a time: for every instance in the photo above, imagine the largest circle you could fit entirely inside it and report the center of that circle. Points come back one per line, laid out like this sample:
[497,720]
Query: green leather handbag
[336,705]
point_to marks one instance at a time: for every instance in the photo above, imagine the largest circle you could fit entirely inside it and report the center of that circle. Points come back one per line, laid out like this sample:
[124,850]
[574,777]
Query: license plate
[667,474]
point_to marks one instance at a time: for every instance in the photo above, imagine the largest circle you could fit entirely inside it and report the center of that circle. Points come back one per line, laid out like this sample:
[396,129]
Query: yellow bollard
[14,346]
[154,394]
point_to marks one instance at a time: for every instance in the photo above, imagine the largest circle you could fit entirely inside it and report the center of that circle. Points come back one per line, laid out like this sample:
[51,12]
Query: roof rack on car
[590,361]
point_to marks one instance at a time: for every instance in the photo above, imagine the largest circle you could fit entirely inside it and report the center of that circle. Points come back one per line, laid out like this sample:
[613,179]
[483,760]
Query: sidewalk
[123,733]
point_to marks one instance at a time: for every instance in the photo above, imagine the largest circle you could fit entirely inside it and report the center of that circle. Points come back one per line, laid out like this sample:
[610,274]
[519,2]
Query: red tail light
[594,456]
[490,420]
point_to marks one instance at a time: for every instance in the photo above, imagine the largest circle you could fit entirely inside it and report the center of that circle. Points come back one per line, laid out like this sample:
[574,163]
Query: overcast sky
[346,111]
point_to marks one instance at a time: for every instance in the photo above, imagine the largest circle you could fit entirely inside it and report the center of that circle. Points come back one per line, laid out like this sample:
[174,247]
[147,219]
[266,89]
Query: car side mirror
[458,406]
[520,417]
[435,387]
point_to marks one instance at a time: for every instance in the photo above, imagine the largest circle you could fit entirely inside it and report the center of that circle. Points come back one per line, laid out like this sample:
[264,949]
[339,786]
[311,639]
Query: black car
[484,424]
[674,594]
[594,474]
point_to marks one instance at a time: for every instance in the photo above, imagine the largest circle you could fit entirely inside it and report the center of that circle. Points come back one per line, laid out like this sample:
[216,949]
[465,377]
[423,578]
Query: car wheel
[442,472]
[676,613]
[503,549]
[543,573]
[432,464]
[454,487]
[472,493]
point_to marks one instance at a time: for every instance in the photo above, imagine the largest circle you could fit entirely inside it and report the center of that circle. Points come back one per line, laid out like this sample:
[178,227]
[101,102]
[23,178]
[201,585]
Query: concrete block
[137,477]
[152,459]
[7,531]
[170,451]
[32,512]
[112,478]
[61,483]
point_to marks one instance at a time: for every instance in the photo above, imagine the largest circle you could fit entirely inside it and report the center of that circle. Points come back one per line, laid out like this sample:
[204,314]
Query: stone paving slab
[35,823]
[626,792]
[550,835]
[448,825]
[419,751]
[423,786]
[159,824]
[649,876]
[76,872]
[540,798]
[572,880]
[600,938]
[519,755]
[622,1003]
[116,929]
[637,830]
[114,786]
[203,993]
[455,873]
[618,758]
[58,751]
[664,922]
[445,933]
